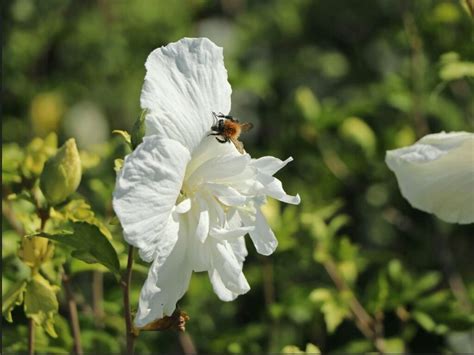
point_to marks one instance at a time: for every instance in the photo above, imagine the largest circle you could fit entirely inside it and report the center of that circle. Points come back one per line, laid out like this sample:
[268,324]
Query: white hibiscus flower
[436,175]
[184,199]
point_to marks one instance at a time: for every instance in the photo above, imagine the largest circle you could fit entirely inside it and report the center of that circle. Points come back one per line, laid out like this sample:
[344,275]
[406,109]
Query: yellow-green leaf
[13,297]
[88,240]
[41,303]
[138,130]
[118,163]
[81,211]
[125,135]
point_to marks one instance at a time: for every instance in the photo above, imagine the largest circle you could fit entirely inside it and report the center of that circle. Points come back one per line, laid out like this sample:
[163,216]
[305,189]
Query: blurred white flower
[185,200]
[436,175]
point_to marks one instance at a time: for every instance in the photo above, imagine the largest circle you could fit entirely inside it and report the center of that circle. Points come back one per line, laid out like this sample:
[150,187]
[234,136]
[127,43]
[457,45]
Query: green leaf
[424,320]
[126,136]
[118,163]
[89,160]
[12,157]
[138,130]
[457,70]
[394,345]
[334,314]
[80,211]
[37,152]
[427,282]
[114,221]
[356,130]
[41,303]
[312,349]
[291,349]
[337,223]
[308,103]
[320,295]
[88,240]
[433,301]
[13,297]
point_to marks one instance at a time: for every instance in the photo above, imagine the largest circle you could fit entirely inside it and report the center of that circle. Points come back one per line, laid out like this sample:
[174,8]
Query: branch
[187,343]
[31,336]
[76,331]
[97,297]
[364,321]
[7,212]
[126,281]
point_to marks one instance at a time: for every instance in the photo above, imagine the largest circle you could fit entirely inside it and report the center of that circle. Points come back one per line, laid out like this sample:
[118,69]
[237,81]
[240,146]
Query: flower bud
[35,250]
[138,130]
[62,173]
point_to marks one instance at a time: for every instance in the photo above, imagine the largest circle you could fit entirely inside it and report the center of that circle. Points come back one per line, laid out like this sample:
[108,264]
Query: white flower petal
[219,168]
[436,175]
[202,227]
[226,273]
[270,165]
[185,82]
[184,206]
[146,190]
[229,234]
[275,190]
[262,236]
[239,248]
[208,149]
[167,282]
[227,194]
[160,248]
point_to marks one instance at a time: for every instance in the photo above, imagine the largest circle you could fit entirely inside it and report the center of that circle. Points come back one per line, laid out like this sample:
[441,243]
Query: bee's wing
[239,145]
[246,126]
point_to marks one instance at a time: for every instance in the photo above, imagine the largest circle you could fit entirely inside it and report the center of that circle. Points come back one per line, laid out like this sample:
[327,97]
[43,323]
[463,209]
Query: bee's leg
[221,115]
[221,140]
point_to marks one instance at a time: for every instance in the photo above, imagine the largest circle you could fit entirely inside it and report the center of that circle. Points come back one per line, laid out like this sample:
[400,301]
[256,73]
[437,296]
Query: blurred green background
[334,84]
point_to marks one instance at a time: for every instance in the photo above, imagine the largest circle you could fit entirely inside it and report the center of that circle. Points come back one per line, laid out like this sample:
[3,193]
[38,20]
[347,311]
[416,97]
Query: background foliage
[332,83]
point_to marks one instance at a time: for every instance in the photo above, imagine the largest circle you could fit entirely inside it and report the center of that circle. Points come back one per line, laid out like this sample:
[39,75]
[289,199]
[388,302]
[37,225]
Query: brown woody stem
[73,317]
[31,336]
[126,281]
[366,324]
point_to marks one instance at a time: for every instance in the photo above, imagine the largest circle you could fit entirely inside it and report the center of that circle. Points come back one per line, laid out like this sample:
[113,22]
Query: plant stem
[31,336]
[97,297]
[187,343]
[364,321]
[470,6]
[9,215]
[126,281]
[73,317]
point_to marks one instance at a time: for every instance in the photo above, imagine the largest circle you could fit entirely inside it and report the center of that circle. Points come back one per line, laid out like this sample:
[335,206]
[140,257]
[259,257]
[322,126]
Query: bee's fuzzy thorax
[232,129]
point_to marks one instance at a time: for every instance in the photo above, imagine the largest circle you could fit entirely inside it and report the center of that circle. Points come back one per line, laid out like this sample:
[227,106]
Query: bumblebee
[228,129]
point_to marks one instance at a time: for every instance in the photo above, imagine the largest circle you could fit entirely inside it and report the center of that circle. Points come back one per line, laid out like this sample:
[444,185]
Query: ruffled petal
[262,236]
[185,82]
[226,194]
[436,175]
[270,165]
[275,189]
[202,227]
[167,281]
[146,191]
[230,234]
[226,274]
[218,169]
[239,248]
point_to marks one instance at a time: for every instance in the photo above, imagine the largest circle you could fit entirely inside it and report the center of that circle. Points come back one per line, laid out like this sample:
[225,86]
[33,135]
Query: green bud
[62,173]
[138,130]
